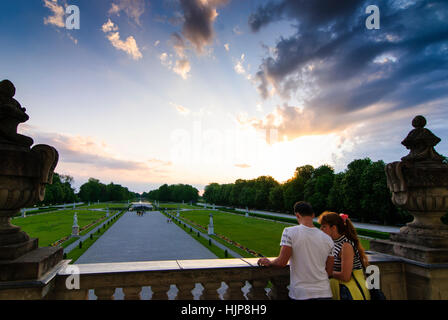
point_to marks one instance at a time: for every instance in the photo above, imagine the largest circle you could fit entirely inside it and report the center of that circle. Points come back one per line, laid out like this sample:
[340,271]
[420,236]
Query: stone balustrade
[105,278]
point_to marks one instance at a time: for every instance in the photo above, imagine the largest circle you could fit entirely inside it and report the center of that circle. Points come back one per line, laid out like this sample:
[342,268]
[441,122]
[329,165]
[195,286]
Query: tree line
[61,191]
[93,190]
[174,193]
[359,191]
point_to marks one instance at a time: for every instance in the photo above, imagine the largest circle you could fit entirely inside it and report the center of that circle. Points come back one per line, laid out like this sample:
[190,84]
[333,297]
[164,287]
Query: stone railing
[229,279]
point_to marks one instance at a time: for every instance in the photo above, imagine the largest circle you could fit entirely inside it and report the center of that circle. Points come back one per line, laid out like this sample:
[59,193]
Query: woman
[347,280]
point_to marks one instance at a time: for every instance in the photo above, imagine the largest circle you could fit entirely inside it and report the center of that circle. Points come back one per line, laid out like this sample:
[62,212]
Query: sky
[149,92]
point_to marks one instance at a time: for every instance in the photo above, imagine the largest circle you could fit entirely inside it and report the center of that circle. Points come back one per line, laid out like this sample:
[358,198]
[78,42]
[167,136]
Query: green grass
[53,226]
[262,236]
[365,243]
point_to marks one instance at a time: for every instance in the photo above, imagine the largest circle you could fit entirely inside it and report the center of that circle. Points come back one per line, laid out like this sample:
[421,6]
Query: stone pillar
[24,173]
[419,184]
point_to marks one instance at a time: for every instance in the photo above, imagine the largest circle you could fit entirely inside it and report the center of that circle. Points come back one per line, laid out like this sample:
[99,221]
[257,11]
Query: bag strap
[359,286]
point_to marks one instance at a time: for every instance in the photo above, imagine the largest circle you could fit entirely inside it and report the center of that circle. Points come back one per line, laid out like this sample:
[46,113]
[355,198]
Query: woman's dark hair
[345,228]
[303,208]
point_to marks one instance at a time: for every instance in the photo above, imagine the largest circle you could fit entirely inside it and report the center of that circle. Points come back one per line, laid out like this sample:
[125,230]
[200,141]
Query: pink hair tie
[343,216]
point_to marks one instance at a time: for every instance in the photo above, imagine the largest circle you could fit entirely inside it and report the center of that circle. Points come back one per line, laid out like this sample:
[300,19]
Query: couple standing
[323,265]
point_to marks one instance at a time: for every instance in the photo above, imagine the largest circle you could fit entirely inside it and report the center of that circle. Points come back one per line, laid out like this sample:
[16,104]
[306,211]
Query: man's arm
[329,266]
[280,261]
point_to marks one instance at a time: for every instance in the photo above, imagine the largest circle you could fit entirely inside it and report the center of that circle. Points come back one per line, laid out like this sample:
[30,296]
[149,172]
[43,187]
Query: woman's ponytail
[351,234]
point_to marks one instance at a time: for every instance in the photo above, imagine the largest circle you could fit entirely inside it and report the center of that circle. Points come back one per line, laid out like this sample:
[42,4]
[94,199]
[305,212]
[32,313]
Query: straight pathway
[144,238]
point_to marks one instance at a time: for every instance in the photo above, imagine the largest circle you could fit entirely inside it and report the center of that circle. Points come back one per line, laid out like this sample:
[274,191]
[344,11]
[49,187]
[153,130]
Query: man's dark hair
[303,208]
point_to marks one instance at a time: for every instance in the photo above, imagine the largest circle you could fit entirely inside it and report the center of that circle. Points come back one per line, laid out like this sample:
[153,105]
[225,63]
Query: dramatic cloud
[199,16]
[292,122]
[336,70]
[57,19]
[133,9]
[129,46]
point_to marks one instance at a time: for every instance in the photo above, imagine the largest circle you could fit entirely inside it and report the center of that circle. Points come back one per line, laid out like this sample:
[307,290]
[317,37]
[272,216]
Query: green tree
[276,198]
[60,191]
[351,188]
[317,188]
[335,199]
[294,188]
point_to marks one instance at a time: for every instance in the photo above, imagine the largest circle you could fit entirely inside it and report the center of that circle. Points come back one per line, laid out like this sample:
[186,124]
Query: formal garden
[53,226]
[252,236]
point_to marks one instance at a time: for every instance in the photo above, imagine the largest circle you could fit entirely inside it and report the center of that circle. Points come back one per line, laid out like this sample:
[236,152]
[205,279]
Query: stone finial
[421,142]
[11,114]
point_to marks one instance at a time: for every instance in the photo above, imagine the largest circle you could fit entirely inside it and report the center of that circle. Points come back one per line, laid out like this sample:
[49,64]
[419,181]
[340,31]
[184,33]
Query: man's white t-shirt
[310,249]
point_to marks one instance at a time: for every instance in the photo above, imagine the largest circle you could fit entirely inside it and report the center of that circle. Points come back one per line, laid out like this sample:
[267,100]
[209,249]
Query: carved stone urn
[419,184]
[24,173]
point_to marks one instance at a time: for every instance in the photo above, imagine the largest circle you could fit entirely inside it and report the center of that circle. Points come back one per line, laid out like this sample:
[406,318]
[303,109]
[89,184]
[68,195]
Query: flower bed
[60,241]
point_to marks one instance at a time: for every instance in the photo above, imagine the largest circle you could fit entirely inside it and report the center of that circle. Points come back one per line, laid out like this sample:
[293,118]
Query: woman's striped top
[337,254]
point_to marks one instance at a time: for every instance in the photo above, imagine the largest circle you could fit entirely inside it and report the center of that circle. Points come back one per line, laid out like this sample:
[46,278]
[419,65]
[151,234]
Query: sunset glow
[152,92]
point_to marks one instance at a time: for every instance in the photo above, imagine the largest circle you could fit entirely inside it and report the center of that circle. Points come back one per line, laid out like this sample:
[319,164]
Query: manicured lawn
[52,226]
[261,236]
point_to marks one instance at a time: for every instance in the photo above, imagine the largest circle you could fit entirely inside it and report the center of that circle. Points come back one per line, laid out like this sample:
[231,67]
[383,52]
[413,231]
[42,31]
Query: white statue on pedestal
[75,220]
[75,228]
[211,230]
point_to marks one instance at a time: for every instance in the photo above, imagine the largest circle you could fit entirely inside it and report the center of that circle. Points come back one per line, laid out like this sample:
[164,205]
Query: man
[310,253]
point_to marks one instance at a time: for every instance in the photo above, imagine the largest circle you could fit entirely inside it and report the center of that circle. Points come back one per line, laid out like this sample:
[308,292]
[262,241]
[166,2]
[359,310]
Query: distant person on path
[347,279]
[310,252]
